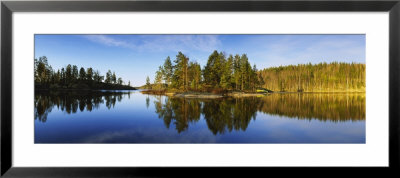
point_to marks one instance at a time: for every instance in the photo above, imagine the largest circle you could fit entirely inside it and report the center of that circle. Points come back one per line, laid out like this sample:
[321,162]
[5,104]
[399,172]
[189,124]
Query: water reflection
[322,106]
[227,114]
[70,102]
[221,115]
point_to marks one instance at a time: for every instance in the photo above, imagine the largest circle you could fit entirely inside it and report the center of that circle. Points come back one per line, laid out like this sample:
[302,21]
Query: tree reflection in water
[70,102]
[221,115]
[333,107]
[227,114]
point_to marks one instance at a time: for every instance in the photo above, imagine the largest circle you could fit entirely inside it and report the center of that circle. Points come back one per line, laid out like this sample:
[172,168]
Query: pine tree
[226,78]
[114,78]
[148,85]
[68,73]
[167,71]
[108,77]
[82,74]
[120,81]
[89,74]
[75,73]
[194,75]
[214,68]
[179,79]
[158,78]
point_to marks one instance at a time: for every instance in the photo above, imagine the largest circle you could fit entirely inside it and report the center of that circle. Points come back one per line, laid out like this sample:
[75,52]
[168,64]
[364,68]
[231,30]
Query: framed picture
[103,88]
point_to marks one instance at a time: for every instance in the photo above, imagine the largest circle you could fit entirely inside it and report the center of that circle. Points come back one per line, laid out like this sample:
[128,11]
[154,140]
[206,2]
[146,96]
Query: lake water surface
[133,117]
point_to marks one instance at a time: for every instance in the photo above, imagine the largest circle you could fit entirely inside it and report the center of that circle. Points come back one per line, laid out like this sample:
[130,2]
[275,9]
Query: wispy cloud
[108,41]
[159,42]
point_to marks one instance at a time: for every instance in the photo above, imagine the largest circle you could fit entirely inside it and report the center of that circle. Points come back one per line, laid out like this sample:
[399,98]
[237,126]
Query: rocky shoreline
[203,94]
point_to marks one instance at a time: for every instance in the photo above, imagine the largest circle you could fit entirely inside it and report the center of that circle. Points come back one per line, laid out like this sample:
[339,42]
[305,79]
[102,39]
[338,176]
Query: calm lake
[133,117]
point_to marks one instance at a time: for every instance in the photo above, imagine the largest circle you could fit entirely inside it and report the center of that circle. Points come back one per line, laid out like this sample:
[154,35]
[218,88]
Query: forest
[70,77]
[222,72]
[235,73]
[322,77]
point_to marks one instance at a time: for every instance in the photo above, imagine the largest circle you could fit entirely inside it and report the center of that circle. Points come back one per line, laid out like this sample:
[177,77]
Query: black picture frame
[8,7]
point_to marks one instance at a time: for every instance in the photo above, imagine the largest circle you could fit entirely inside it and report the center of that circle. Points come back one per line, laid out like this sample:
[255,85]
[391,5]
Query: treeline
[72,78]
[322,77]
[234,72]
[221,72]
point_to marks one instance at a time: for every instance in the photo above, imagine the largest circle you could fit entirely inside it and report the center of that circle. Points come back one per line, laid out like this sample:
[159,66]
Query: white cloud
[108,41]
[160,42]
[179,42]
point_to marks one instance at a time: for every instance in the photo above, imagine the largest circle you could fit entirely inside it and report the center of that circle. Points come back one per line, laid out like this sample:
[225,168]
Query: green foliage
[82,74]
[236,73]
[75,72]
[108,76]
[148,85]
[167,71]
[68,73]
[214,69]
[320,77]
[158,78]
[119,81]
[43,70]
[219,74]
[194,75]
[179,78]
[70,78]
[89,74]
[97,77]
[114,78]
[227,74]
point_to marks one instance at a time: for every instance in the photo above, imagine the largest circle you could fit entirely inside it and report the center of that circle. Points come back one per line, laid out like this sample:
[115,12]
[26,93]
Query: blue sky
[133,57]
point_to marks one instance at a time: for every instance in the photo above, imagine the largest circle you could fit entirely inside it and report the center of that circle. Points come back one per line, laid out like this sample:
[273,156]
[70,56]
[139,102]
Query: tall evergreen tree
[96,77]
[194,75]
[120,81]
[236,72]
[148,84]
[179,79]
[75,73]
[68,73]
[158,78]
[227,78]
[167,71]
[114,78]
[108,77]
[89,74]
[82,74]
[214,68]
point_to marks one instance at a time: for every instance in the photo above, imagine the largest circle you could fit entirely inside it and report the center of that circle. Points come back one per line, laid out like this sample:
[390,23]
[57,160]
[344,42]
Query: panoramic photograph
[199,88]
